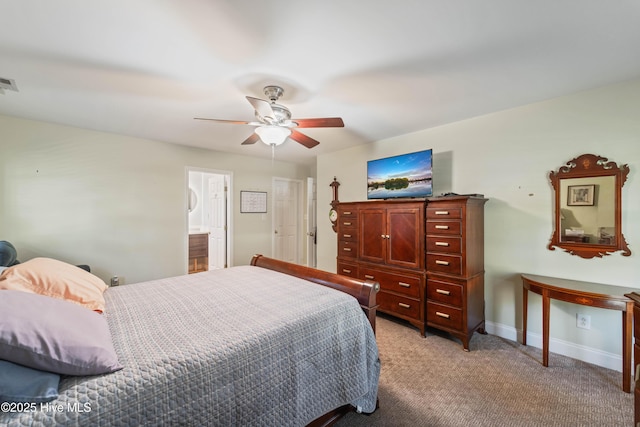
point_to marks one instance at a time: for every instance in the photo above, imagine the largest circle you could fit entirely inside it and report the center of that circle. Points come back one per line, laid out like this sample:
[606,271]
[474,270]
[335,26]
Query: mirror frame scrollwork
[585,166]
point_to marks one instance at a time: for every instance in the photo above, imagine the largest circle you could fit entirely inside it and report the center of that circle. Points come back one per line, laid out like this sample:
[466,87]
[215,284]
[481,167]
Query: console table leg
[627,328]
[545,328]
[525,305]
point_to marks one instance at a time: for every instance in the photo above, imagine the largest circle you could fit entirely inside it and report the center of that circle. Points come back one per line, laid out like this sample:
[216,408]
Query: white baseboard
[564,348]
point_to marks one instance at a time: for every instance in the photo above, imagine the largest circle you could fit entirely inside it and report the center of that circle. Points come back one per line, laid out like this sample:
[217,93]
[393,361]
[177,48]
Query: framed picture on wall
[253,202]
[581,195]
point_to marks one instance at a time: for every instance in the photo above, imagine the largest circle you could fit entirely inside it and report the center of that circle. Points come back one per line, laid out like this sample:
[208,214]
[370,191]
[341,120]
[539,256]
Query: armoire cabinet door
[405,246]
[373,230]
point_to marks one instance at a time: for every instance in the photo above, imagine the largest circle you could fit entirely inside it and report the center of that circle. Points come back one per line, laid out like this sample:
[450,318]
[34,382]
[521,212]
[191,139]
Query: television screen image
[406,175]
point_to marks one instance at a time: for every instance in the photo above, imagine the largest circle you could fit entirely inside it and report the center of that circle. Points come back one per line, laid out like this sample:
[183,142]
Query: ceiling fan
[275,124]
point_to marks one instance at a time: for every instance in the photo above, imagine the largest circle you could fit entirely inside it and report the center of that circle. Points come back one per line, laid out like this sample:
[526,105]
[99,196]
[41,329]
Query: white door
[217,221]
[286,220]
[312,228]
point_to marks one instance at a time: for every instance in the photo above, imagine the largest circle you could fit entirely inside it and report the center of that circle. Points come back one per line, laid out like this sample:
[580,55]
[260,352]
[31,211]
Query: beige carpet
[432,382]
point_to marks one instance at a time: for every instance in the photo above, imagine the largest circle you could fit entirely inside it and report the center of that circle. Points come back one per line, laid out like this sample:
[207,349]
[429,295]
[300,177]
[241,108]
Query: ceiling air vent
[7,84]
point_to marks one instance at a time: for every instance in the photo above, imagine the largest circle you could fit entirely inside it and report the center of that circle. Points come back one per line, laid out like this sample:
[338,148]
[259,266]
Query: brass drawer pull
[442,212]
[403,305]
[346,213]
[443,292]
[439,262]
[346,236]
[445,315]
[346,223]
[349,250]
[404,285]
[442,244]
[368,276]
[344,270]
[442,227]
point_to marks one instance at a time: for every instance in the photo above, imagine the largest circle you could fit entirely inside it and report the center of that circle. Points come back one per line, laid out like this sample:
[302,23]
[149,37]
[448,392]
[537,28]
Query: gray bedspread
[243,346]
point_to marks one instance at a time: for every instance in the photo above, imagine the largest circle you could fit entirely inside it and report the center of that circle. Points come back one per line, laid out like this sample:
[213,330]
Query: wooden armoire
[427,255]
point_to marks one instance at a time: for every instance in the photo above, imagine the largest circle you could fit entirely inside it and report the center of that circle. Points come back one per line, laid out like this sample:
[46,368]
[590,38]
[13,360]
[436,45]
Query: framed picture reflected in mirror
[581,195]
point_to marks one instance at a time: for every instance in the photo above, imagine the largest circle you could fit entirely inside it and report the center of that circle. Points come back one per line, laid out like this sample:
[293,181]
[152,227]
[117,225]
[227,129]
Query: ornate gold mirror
[588,207]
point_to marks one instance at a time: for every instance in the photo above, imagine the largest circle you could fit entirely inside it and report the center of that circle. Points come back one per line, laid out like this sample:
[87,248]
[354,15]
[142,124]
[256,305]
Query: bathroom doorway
[209,213]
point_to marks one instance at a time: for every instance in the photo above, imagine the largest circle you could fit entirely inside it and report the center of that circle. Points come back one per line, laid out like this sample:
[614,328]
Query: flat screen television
[403,176]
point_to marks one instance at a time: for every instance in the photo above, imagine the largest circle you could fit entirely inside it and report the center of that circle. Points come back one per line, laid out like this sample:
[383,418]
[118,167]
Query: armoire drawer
[444,244]
[448,264]
[347,213]
[348,234]
[348,222]
[398,304]
[347,269]
[444,213]
[404,284]
[445,316]
[347,249]
[445,292]
[453,228]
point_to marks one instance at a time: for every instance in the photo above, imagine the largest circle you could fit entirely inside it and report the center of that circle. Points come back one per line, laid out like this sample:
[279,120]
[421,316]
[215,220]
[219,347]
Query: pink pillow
[57,279]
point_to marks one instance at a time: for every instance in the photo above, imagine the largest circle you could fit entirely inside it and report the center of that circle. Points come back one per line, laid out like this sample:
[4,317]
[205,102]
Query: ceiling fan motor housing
[273,92]
[281,112]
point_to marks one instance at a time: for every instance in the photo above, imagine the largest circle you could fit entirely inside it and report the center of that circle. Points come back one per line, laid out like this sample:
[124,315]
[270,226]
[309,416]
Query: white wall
[507,156]
[117,203]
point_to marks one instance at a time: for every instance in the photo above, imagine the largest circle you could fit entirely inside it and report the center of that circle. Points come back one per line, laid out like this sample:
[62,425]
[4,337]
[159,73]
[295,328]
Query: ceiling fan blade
[262,107]
[303,139]
[233,122]
[327,122]
[253,138]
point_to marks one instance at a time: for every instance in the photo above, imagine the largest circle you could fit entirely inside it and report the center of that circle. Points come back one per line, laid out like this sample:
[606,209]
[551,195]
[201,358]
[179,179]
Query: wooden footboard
[363,290]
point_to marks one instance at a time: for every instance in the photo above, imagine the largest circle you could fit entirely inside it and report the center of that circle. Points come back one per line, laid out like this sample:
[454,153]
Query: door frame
[229,212]
[300,255]
[311,225]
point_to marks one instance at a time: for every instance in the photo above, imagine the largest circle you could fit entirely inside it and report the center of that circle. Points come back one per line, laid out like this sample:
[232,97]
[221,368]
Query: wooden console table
[583,293]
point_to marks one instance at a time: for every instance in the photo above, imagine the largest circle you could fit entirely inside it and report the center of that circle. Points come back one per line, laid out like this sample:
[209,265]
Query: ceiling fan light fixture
[273,135]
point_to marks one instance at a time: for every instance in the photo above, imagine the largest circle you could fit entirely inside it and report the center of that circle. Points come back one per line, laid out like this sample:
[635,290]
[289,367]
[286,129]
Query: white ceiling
[146,68]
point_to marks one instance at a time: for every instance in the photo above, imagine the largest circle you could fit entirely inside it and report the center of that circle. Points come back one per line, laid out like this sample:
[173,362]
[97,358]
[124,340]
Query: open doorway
[209,214]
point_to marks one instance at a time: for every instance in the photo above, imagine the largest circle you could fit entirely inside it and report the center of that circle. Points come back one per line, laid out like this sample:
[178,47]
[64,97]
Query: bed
[249,345]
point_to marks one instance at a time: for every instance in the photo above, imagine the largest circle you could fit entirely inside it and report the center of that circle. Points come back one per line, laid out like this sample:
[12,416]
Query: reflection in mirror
[588,214]
[193,200]
[587,210]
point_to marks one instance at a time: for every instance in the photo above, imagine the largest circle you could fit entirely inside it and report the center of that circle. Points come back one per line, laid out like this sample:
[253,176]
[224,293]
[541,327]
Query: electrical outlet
[115,281]
[583,321]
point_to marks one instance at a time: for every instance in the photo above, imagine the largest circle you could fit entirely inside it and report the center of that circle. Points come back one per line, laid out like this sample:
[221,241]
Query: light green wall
[507,156]
[117,203]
